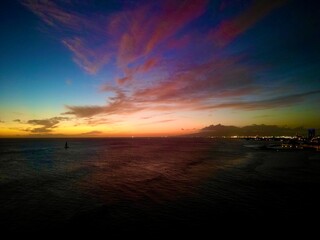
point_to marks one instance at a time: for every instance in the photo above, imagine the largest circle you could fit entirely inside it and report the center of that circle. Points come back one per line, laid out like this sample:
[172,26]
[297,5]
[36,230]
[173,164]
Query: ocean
[152,185]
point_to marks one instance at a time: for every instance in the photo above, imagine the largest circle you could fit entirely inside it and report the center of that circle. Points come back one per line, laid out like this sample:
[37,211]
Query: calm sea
[152,184]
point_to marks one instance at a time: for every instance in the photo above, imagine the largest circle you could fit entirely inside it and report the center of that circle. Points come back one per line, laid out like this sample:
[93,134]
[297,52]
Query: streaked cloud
[159,121]
[119,104]
[91,60]
[84,111]
[74,28]
[100,120]
[163,121]
[168,55]
[278,102]
[92,133]
[114,108]
[251,130]
[44,125]
[229,29]
[128,35]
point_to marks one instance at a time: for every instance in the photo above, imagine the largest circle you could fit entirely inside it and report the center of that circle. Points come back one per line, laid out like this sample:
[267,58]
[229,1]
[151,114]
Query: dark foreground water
[153,185]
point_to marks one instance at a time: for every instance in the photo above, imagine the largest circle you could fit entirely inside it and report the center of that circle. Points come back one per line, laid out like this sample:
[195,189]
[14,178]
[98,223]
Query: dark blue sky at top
[287,39]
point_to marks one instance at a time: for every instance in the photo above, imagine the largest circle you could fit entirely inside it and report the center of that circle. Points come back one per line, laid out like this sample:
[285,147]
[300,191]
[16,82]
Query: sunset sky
[157,68]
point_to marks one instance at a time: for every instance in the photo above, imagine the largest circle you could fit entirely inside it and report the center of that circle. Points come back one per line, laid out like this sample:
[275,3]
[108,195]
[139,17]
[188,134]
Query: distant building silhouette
[311,133]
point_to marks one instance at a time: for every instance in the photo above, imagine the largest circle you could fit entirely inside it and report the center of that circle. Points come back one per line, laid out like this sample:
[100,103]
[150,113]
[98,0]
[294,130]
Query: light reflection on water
[42,184]
[155,169]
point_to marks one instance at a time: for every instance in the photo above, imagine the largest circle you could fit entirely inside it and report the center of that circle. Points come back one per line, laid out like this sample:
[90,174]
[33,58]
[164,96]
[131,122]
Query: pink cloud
[118,104]
[118,107]
[53,15]
[182,42]
[158,122]
[67,22]
[126,35]
[276,102]
[228,30]
[132,35]
[130,73]
[172,17]
[124,80]
[130,30]
[159,63]
[213,79]
[91,60]
[149,64]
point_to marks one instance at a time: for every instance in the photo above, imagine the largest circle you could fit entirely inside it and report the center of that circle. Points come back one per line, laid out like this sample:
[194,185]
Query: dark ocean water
[152,185]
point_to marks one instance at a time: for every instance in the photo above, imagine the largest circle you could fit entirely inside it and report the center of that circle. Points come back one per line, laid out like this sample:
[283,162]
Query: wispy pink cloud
[214,79]
[150,63]
[94,121]
[160,64]
[277,102]
[66,22]
[54,15]
[127,35]
[91,60]
[124,80]
[173,16]
[158,122]
[118,104]
[229,29]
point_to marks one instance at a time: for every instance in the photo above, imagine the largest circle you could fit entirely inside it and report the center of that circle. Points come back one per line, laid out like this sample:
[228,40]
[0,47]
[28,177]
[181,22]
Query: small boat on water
[66,145]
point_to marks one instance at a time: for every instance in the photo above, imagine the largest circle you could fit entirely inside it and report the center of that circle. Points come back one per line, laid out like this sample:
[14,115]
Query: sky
[156,68]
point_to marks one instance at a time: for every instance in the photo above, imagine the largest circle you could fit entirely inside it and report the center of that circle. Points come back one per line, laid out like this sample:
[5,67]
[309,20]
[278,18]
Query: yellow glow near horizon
[149,123]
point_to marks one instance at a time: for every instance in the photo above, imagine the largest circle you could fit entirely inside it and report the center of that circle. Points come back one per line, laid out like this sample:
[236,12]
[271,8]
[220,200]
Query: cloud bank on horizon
[185,56]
